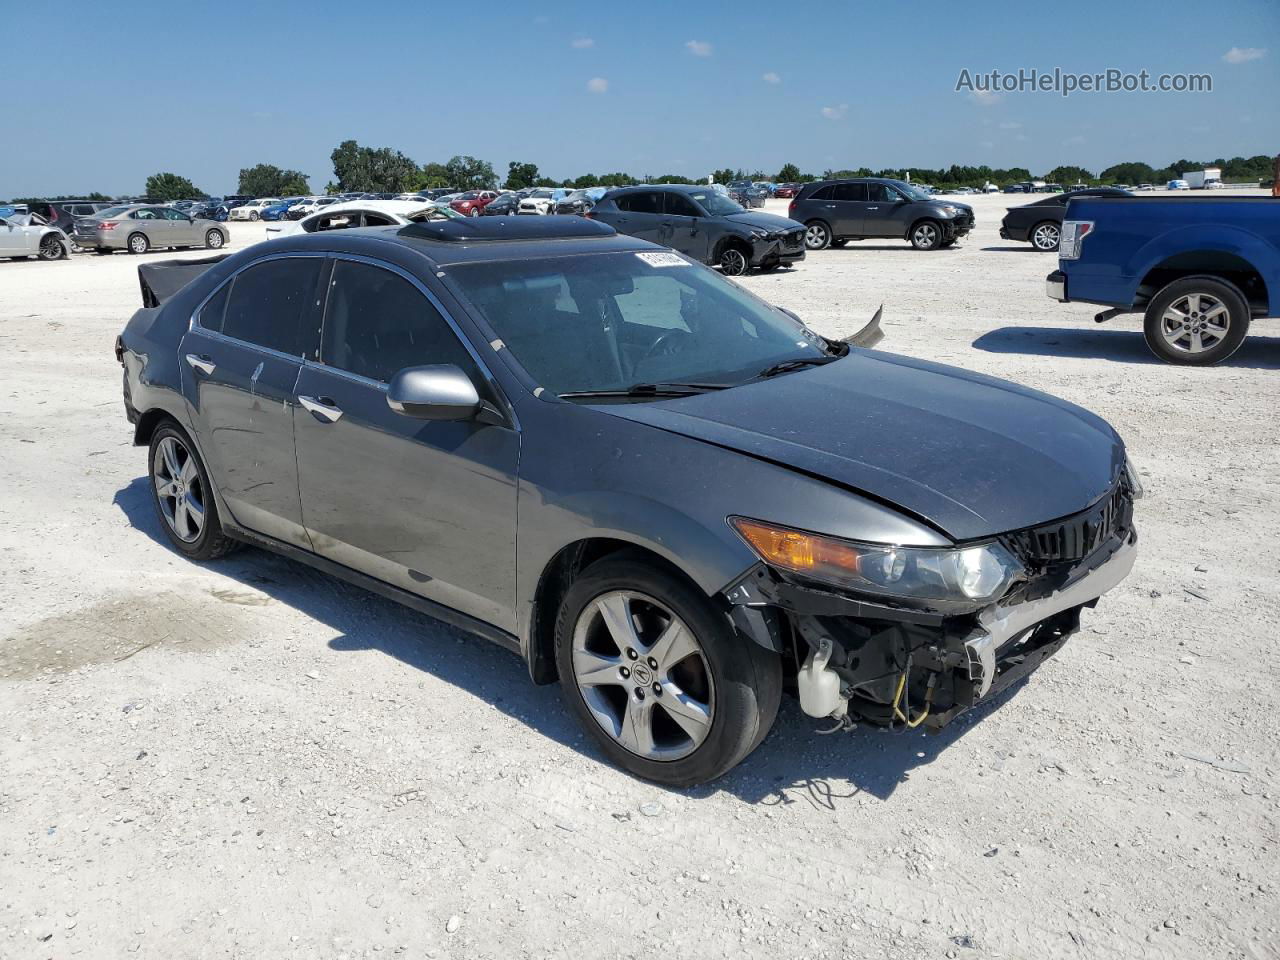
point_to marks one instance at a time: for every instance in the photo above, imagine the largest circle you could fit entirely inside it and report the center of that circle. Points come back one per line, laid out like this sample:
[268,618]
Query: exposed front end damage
[859,658]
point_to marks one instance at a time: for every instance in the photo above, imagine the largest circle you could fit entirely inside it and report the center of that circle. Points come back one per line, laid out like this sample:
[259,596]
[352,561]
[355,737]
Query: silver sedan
[31,235]
[140,227]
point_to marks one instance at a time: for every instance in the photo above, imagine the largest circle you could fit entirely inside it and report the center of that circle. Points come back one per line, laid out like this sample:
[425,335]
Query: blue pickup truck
[1200,269]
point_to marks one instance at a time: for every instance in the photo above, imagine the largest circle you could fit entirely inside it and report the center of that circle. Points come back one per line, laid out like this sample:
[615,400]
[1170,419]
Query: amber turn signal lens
[797,551]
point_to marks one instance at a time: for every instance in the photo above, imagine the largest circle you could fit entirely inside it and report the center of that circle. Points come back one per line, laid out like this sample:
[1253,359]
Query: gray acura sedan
[665,493]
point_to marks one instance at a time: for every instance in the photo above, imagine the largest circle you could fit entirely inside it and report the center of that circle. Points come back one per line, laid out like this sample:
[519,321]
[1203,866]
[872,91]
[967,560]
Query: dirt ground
[252,760]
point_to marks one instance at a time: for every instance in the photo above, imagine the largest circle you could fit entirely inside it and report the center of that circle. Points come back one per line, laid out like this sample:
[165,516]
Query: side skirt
[437,611]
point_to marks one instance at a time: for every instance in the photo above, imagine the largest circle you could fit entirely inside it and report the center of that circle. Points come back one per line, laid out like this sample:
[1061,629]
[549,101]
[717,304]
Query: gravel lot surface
[253,760]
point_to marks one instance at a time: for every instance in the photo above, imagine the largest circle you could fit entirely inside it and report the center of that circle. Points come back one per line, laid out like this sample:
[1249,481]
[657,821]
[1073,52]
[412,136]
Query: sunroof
[482,229]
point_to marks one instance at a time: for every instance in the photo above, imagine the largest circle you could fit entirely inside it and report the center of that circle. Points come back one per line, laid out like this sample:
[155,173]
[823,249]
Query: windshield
[716,204]
[911,190]
[610,321]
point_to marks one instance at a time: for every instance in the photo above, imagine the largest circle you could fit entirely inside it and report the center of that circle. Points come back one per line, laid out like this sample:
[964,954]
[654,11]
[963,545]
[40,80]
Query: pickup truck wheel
[657,675]
[926,235]
[1198,321]
[817,235]
[1045,236]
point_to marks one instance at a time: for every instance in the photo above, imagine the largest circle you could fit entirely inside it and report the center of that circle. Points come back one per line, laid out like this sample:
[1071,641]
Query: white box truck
[1197,179]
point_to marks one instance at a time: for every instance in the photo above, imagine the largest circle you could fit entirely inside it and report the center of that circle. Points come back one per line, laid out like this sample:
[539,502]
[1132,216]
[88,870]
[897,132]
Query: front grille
[793,240]
[1076,537]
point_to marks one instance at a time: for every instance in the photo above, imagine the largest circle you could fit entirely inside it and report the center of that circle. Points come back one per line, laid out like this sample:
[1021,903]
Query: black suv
[704,224]
[837,211]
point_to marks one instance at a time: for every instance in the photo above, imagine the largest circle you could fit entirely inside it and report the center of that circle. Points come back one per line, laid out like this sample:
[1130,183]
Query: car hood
[764,221]
[971,455]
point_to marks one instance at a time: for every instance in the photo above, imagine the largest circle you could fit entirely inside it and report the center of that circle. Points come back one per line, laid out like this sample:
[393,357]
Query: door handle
[873,208]
[201,363]
[831,206]
[323,408]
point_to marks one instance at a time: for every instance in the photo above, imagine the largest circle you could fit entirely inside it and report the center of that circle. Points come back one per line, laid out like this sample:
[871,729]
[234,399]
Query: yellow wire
[897,699]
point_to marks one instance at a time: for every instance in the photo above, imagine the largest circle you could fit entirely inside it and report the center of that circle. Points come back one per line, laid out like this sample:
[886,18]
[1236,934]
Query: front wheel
[51,249]
[138,243]
[1045,236]
[926,235]
[214,240]
[254,216]
[733,262]
[659,677]
[1196,321]
[817,235]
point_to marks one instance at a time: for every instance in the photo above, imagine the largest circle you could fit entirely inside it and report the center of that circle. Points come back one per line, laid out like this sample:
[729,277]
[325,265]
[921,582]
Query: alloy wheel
[213,240]
[50,248]
[1195,323]
[1045,237]
[925,236]
[179,489]
[138,243]
[643,675]
[733,262]
[816,236]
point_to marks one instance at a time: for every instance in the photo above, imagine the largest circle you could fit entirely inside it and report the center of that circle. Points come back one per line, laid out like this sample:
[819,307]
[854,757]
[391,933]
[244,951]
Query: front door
[181,229]
[241,360]
[885,212]
[429,507]
[15,240]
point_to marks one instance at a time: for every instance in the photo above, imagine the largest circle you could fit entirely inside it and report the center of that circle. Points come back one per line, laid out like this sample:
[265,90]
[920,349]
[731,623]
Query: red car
[473,202]
[785,190]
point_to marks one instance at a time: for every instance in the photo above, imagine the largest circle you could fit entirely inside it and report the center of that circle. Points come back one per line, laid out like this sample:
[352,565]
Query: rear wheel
[1196,321]
[138,243]
[658,676]
[183,496]
[926,235]
[817,235]
[1045,236]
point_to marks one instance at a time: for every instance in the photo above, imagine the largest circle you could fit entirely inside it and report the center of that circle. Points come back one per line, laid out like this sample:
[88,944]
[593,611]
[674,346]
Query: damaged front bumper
[908,666]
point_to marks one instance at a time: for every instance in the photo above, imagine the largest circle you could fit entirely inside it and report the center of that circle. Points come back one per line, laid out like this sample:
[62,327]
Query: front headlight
[1131,473]
[981,572]
[949,210]
[759,234]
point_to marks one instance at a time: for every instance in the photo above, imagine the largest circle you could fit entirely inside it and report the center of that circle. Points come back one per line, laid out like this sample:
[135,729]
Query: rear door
[684,226]
[848,203]
[642,215]
[241,360]
[150,222]
[429,507]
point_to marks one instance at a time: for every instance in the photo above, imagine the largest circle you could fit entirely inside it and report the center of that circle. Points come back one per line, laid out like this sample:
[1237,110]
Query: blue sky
[122,90]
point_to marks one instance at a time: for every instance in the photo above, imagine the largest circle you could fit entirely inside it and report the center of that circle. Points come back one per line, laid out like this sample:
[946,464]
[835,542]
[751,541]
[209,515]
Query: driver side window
[881,193]
[678,205]
[171,214]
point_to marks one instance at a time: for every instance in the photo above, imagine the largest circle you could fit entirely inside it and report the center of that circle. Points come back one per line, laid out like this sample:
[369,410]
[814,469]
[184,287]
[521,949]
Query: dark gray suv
[837,211]
[704,224]
[668,494]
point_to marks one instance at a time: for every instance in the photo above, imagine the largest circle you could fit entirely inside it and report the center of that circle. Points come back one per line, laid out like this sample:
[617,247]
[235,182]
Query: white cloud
[771,77]
[581,43]
[699,48]
[1010,125]
[598,85]
[1244,54]
[835,113]
[984,98]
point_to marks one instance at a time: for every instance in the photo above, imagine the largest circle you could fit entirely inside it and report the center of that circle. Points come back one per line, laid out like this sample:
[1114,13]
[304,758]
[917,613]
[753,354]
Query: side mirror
[434,392]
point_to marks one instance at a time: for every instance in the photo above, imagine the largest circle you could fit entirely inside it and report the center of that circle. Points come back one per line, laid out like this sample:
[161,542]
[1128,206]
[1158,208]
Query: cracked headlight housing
[977,573]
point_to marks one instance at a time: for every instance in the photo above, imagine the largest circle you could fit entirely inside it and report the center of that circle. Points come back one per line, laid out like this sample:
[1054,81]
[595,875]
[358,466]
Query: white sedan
[363,213]
[253,209]
[312,204]
[31,235]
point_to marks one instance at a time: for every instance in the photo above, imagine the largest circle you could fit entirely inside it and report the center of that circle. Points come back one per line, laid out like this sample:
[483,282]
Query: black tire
[211,542]
[746,678]
[926,235]
[1185,312]
[842,242]
[253,215]
[733,261]
[817,235]
[138,243]
[213,239]
[51,249]
[1045,236]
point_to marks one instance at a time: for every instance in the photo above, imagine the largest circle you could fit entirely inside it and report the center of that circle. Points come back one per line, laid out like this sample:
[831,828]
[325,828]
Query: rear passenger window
[850,192]
[213,312]
[823,193]
[377,323]
[269,303]
[641,203]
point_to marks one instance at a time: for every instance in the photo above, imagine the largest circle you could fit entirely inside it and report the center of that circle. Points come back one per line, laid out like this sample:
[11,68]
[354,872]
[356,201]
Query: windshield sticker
[663,259]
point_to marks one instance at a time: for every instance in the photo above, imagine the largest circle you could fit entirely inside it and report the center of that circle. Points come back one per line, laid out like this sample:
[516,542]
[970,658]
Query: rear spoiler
[164,278]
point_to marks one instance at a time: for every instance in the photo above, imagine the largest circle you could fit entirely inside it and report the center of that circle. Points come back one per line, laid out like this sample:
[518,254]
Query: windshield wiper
[669,389]
[786,366]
